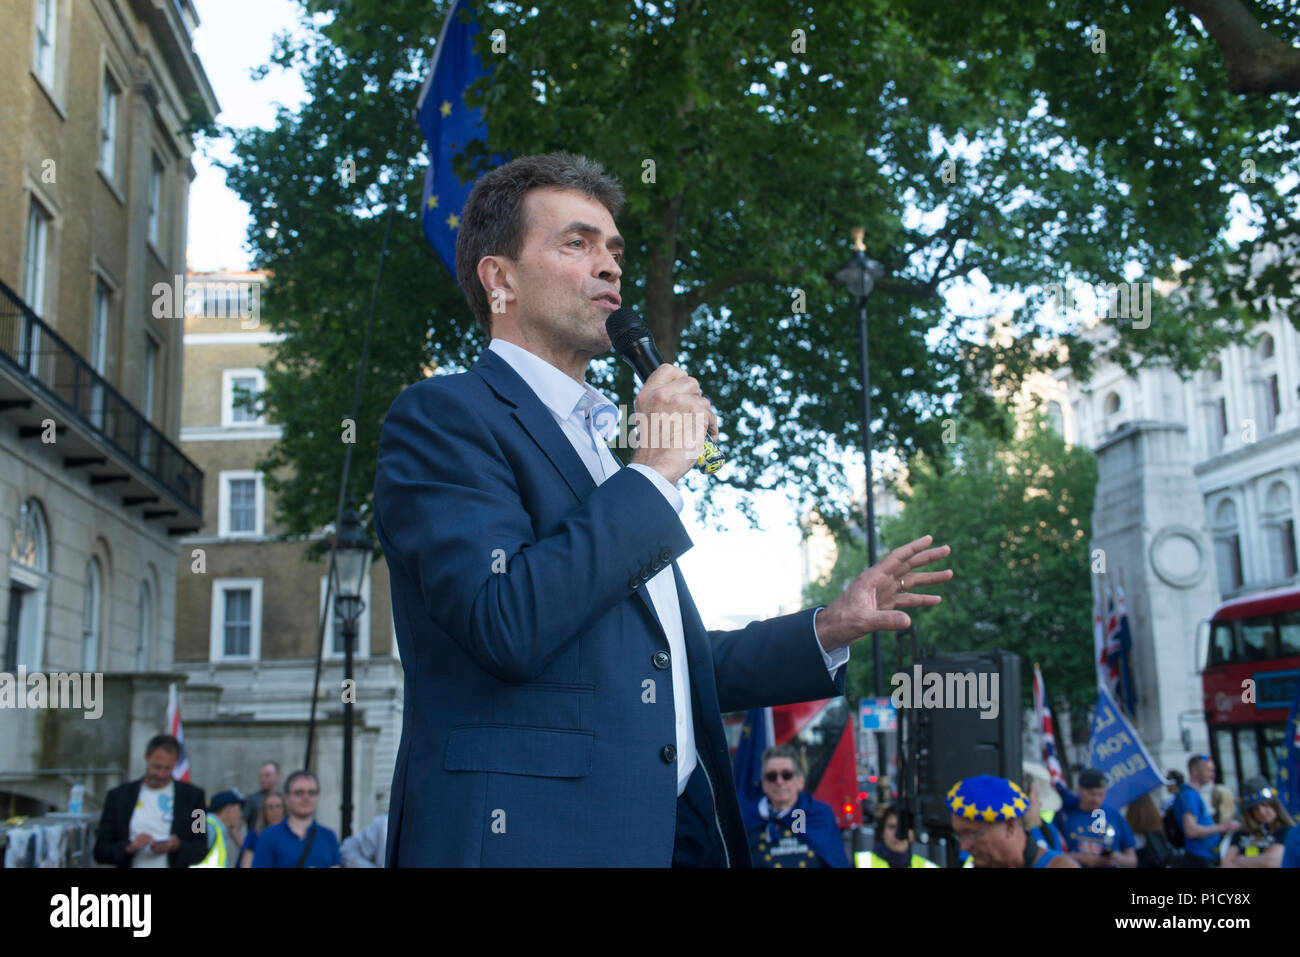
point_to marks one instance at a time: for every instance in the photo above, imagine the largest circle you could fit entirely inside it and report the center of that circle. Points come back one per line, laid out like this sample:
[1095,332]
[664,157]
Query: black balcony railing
[53,368]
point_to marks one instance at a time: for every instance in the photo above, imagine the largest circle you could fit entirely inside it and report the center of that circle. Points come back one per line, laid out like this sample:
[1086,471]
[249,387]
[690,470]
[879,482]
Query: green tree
[1003,152]
[1018,516]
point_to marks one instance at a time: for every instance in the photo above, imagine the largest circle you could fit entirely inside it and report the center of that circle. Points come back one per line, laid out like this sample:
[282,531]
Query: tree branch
[1256,60]
[720,284]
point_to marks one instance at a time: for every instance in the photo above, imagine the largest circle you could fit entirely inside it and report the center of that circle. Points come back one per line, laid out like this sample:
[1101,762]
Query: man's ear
[497,278]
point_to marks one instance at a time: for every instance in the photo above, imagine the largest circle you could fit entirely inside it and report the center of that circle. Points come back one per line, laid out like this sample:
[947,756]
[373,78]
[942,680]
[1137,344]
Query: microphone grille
[625,327]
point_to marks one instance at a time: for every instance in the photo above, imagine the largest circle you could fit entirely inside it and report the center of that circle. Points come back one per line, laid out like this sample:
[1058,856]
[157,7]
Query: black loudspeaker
[953,741]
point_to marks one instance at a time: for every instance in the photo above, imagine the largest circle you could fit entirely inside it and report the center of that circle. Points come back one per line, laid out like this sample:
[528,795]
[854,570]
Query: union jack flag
[1043,712]
[1119,643]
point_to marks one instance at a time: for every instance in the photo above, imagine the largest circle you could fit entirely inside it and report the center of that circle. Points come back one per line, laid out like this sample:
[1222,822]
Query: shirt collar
[558,392]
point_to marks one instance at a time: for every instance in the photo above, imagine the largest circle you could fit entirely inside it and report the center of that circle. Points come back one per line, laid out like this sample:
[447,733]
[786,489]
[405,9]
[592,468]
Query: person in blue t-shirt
[1291,850]
[298,841]
[1095,833]
[1200,833]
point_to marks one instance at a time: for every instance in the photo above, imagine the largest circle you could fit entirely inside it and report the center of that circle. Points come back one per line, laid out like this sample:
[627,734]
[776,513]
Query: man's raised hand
[871,602]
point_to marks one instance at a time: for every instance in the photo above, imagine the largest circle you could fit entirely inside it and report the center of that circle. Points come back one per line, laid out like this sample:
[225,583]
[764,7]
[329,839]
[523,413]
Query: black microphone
[632,340]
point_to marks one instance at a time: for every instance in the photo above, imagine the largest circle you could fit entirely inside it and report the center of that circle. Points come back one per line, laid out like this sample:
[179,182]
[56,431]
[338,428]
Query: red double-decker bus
[1252,664]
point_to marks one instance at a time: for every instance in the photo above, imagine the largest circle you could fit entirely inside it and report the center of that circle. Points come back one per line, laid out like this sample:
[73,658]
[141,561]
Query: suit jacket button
[660,660]
[666,556]
[669,754]
[633,582]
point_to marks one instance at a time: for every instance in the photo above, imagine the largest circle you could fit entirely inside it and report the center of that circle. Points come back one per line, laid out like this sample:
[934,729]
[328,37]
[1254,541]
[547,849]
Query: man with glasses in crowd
[986,813]
[789,828]
[298,841]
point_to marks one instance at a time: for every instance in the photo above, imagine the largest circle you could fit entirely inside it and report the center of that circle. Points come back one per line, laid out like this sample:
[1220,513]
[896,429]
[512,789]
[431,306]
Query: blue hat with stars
[987,798]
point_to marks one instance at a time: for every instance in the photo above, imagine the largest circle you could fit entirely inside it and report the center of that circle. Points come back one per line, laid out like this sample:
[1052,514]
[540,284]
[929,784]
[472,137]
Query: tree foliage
[1018,516]
[976,143]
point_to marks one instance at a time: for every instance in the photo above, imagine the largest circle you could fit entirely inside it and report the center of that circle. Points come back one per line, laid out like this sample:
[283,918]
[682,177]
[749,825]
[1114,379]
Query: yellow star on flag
[957,803]
[1020,804]
[433,202]
[1008,811]
[445,109]
[969,812]
[989,814]
[953,790]
[453,221]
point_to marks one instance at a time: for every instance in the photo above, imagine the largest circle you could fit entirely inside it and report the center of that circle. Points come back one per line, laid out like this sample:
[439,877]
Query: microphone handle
[644,358]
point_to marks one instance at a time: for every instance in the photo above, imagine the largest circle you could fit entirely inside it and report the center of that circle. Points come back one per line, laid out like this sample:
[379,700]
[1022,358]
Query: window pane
[1221,644]
[1257,639]
[240,387]
[243,505]
[1274,736]
[239,622]
[1290,637]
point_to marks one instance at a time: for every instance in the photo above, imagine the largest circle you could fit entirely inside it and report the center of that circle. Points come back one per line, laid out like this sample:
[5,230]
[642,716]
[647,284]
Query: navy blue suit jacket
[530,736]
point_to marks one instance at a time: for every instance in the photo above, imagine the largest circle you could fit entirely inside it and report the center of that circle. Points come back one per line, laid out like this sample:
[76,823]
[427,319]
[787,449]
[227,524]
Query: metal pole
[877,656]
[349,633]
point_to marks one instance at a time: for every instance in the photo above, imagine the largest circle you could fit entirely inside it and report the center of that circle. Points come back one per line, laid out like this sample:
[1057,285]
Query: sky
[733,572]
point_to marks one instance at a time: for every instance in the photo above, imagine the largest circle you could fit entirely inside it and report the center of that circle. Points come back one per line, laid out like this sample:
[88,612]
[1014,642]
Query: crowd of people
[1001,823]
[157,821]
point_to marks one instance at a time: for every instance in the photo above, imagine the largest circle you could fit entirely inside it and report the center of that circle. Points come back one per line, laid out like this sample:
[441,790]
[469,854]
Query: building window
[1218,424]
[1227,547]
[155,199]
[90,617]
[1279,531]
[1266,346]
[236,628]
[146,400]
[98,350]
[38,229]
[1272,402]
[46,31]
[108,126]
[237,386]
[240,504]
[1216,370]
[335,645]
[29,583]
[144,627]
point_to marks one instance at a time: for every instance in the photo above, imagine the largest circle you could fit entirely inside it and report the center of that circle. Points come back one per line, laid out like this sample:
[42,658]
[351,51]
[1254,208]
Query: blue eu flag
[1288,773]
[449,126]
[747,765]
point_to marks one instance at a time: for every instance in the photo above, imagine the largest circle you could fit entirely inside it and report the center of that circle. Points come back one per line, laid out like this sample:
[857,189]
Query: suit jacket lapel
[537,421]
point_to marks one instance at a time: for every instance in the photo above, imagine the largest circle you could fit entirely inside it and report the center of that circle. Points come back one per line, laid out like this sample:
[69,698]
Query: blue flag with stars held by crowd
[747,765]
[1116,751]
[1288,772]
[449,126]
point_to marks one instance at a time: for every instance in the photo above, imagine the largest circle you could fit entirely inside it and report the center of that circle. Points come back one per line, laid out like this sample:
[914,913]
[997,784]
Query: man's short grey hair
[493,221]
[784,751]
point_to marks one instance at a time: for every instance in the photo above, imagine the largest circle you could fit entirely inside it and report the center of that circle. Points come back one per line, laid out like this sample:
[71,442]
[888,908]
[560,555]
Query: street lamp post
[352,551]
[859,276]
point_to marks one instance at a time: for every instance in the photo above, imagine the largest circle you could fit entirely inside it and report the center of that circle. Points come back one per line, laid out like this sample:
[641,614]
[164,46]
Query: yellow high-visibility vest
[216,856]
[871,859]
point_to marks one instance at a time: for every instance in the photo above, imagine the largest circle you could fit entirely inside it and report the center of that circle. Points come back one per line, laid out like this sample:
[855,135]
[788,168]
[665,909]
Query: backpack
[1173,825]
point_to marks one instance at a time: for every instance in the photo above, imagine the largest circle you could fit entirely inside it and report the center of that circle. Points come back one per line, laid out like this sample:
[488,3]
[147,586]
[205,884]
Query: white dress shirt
[582,414]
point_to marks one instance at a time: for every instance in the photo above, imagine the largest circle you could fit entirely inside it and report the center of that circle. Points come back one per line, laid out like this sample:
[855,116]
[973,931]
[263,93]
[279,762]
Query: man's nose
[609,268]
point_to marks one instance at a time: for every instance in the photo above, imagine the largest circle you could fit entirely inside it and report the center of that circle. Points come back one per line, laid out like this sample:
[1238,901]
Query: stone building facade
[94,492]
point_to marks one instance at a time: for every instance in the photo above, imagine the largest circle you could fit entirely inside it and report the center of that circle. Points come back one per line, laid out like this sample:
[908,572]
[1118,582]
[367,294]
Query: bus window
[1221,643]
[1290,626]
[1273,737]
[1225,757]
[1257,639]
[1248,754]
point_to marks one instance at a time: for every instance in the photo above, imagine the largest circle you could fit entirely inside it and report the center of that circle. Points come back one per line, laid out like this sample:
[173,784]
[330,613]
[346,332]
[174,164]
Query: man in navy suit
[563,698]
